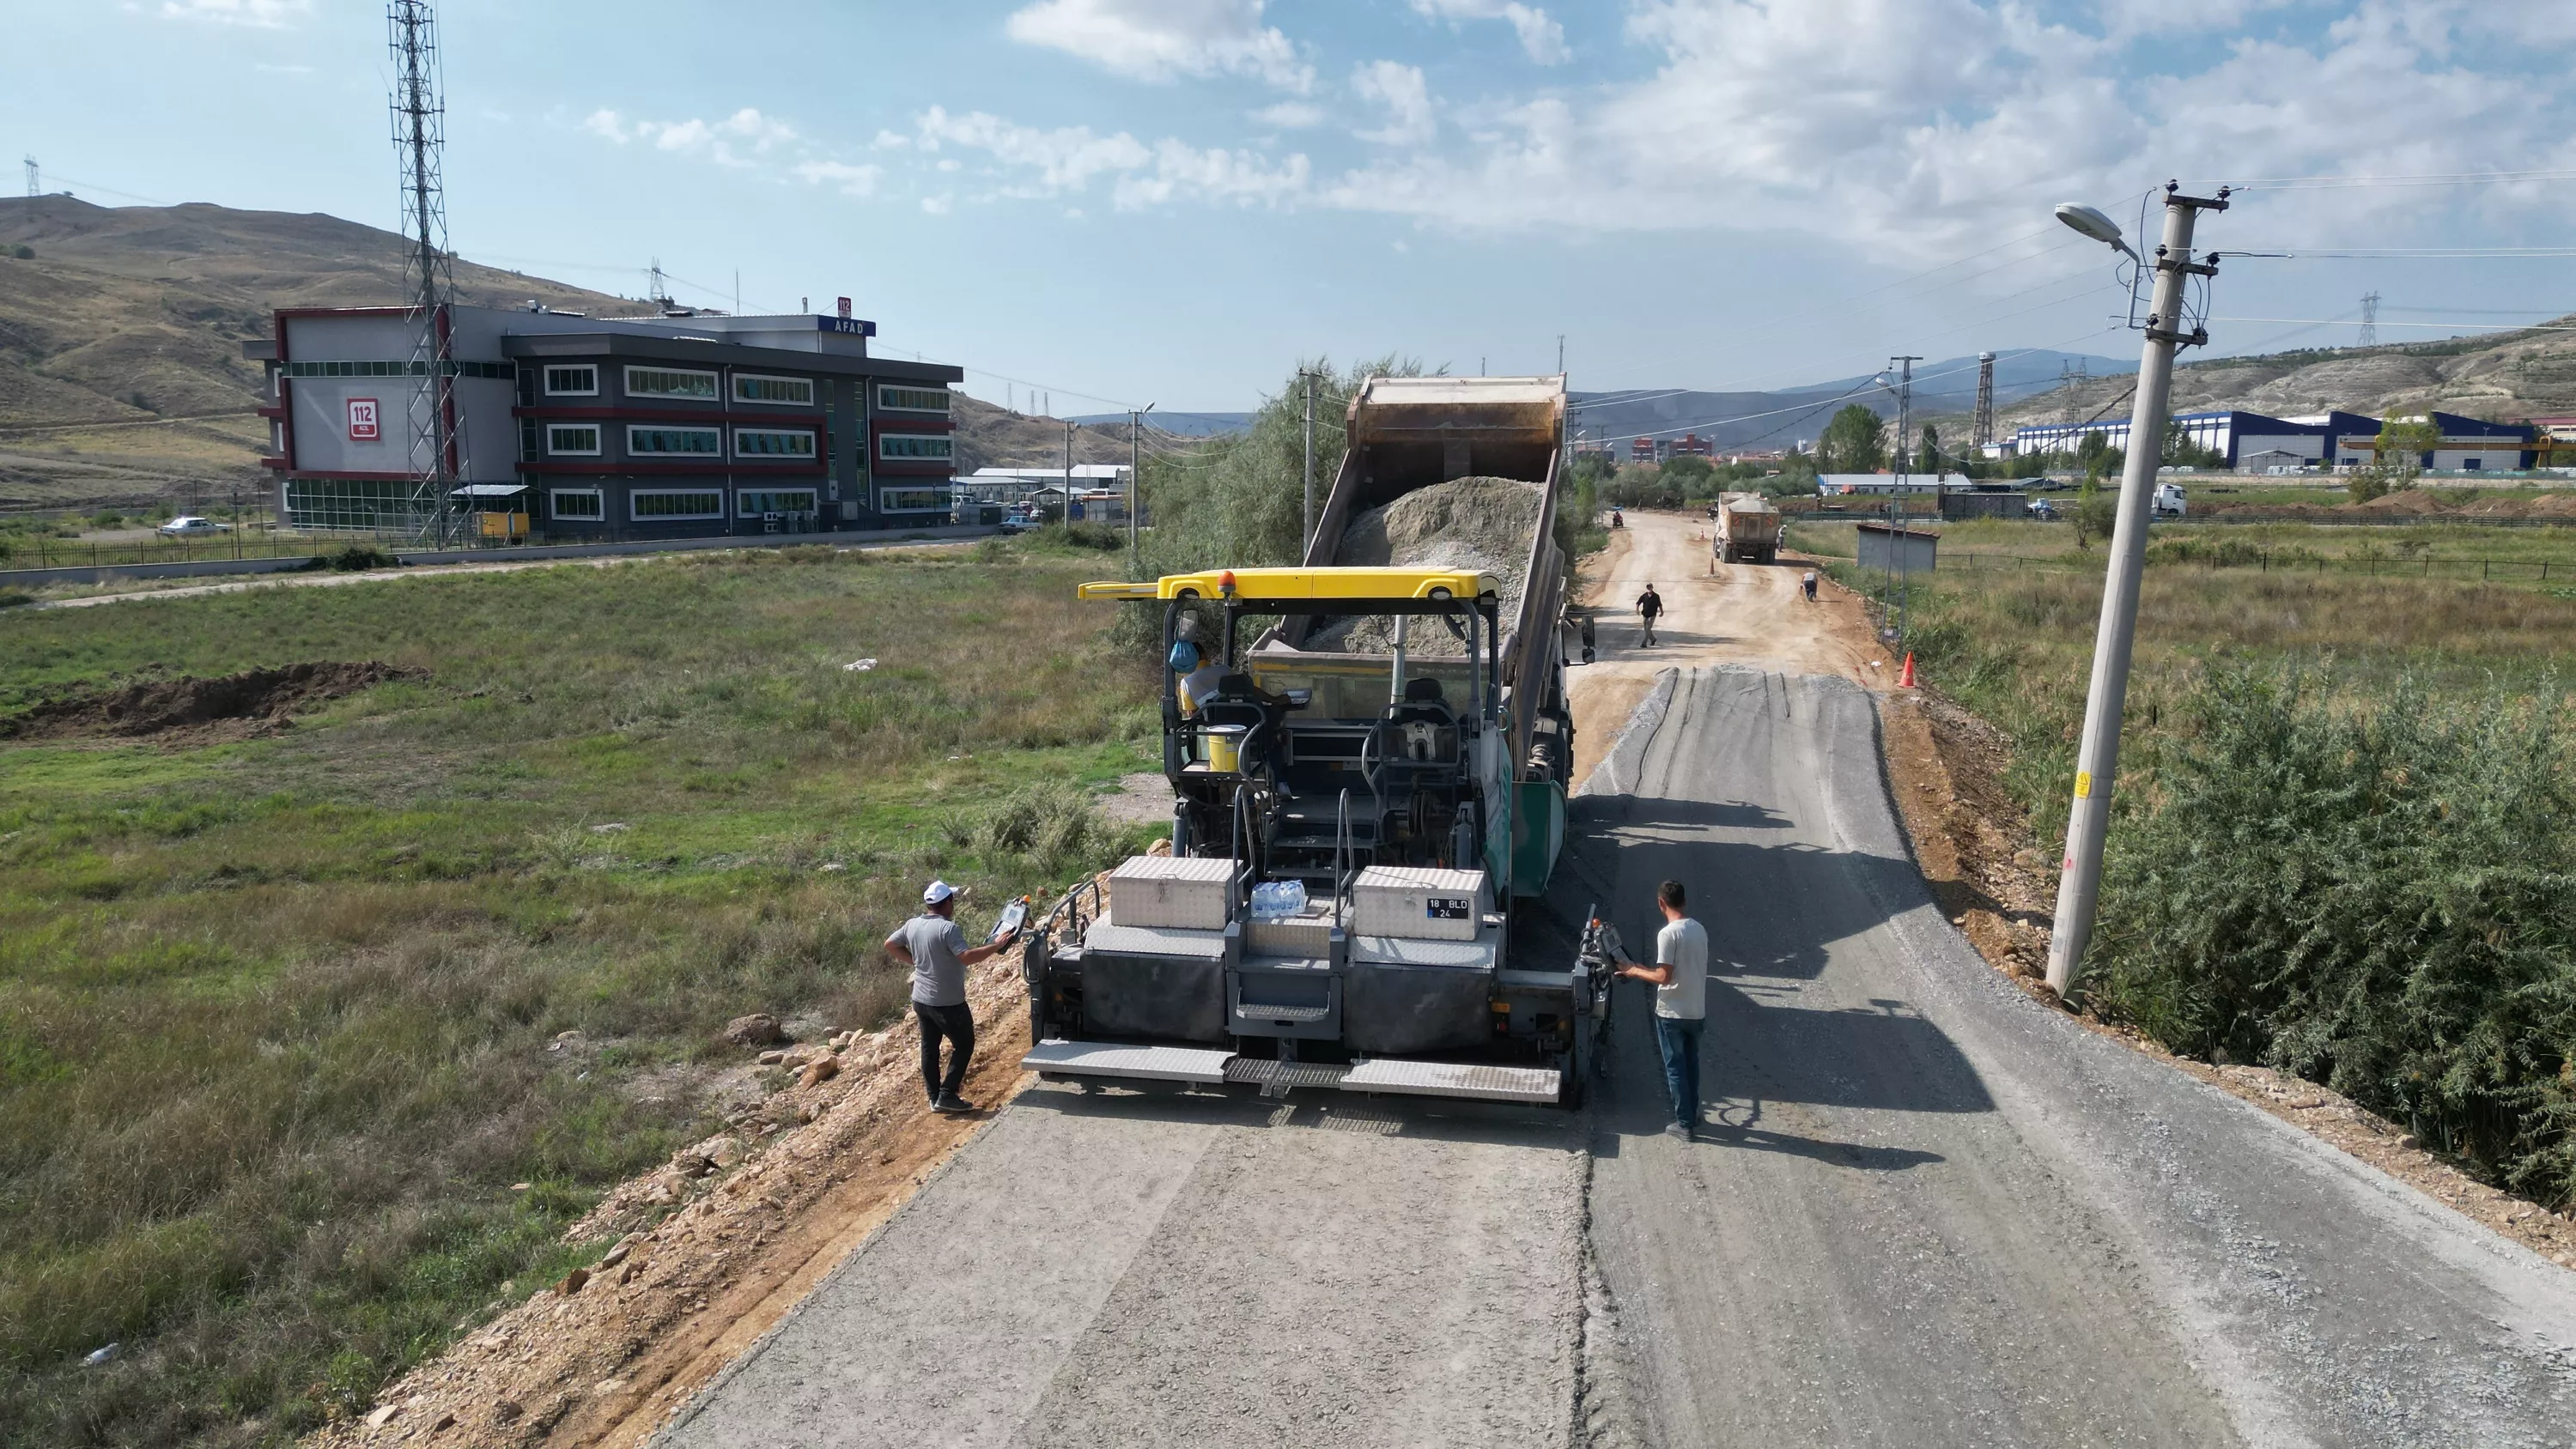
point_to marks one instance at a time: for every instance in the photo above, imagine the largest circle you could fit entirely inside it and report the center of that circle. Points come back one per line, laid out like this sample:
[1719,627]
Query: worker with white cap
[936,950]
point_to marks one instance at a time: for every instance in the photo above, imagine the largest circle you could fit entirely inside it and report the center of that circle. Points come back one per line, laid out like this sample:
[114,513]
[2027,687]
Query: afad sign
[362,421]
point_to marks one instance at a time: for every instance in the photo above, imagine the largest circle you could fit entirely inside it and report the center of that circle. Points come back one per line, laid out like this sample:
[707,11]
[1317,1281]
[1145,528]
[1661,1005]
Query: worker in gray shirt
[936,950]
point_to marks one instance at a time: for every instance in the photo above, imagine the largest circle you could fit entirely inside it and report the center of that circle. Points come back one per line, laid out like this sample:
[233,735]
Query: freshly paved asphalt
[1927,1210]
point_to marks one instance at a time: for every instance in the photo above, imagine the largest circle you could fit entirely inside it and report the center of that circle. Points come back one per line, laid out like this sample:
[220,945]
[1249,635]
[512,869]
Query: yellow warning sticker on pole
[2084,784]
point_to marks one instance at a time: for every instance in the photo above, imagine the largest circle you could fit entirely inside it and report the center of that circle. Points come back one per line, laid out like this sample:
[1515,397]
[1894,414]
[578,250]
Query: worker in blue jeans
[1680,979]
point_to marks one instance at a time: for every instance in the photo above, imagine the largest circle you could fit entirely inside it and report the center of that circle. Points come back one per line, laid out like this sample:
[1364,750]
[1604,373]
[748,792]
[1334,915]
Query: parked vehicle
[188,525]
[2043,510]
[1021,520]
[2168,501]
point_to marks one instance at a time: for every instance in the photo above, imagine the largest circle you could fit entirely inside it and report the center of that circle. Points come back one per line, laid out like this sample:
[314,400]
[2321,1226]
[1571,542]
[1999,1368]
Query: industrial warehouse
[583,428]
[2254,443]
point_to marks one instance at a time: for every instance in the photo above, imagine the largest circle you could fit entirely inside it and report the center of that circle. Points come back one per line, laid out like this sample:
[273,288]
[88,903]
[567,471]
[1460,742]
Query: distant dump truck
[1748,529]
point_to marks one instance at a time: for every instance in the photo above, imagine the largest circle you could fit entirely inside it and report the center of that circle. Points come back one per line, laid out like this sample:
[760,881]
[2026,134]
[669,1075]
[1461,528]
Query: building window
[655,441]
[753,502]
[772,443]
[572,382]
[662,504]
[906,447]
[912,500]
[913,399]
[753,387]
[575,503]
[670,382]
[572,440]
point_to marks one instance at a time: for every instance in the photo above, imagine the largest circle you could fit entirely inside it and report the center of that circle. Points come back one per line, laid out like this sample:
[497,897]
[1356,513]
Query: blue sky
[1169,201]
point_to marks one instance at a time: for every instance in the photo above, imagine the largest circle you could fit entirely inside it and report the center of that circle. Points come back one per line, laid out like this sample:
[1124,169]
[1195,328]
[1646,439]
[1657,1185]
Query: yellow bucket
[1224,748]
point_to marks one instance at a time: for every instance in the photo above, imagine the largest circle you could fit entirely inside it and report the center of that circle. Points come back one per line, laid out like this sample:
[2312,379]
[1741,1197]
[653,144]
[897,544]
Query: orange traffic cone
[1906,680]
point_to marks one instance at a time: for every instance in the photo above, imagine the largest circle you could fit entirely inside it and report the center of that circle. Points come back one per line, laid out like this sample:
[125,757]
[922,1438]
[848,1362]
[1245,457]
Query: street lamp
[2094,224]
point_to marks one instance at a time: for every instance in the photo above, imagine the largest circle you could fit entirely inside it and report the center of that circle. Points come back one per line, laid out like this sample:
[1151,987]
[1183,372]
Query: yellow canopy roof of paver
[1343,584]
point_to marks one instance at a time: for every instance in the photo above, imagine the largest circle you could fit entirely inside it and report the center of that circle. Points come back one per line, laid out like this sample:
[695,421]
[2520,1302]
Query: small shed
[1894,550]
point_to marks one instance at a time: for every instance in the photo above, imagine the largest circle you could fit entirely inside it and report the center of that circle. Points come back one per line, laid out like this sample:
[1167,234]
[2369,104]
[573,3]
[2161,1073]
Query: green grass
[2339,844]
[274,1014]
[2440,551]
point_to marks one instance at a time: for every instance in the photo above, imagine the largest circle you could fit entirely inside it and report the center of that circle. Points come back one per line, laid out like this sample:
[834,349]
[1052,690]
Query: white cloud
[1291,115]
[740,139]
[1160,40]
[1071,158]
[263,14]
[1897,125]
[1066,158]
[1406,97]
[1542,39]
[1240,176]
[937,205]
[852,180]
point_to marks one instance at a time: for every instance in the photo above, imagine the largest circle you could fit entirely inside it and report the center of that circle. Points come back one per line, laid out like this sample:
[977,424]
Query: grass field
[275,1013]
[2543,558]
[2339,844]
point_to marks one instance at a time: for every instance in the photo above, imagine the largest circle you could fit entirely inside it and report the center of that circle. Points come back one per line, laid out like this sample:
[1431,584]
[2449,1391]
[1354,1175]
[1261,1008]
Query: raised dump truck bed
[1375,775]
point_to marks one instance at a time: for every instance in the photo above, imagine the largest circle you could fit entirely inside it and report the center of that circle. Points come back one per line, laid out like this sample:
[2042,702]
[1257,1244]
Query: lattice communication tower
[2369,320]
[420,137]
[1984,430]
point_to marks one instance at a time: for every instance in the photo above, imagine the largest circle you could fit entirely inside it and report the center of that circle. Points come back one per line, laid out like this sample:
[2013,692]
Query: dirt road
[1929,1210]
[1740,613]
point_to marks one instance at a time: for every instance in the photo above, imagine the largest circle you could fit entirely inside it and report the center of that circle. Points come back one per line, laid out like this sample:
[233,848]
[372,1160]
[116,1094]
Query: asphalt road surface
[1927,1211]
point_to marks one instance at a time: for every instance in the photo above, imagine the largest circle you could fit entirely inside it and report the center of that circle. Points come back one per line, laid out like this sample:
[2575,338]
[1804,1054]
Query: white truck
[2168,502]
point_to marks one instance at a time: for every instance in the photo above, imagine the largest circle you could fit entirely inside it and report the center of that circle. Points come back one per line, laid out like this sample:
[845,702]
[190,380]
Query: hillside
[121,375]
[2502,377]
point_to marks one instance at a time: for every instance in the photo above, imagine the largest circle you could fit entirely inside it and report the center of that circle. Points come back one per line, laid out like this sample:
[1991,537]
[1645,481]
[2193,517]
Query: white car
[188,525]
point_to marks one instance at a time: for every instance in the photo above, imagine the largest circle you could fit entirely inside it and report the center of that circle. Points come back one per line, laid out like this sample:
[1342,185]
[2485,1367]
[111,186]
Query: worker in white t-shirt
[1680,979]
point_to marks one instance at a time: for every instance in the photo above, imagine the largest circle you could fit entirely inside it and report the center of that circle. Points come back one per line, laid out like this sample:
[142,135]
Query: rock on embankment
[1467,523]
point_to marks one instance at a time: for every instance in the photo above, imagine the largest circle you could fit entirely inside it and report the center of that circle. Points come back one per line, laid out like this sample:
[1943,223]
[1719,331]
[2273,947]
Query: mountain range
[122,380]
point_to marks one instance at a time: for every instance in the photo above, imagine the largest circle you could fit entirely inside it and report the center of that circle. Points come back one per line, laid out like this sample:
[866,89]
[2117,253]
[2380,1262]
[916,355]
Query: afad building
[574,427]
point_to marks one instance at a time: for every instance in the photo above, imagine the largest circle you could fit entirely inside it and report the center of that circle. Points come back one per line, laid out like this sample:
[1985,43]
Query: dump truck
[1747,529]
[1376,780]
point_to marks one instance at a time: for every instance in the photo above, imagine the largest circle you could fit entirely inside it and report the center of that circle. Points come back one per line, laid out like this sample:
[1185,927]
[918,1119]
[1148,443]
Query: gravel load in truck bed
[1467,523]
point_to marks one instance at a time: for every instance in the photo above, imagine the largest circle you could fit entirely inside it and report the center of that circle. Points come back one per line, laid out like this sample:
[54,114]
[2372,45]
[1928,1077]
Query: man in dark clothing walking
[936,950]
[1650,605]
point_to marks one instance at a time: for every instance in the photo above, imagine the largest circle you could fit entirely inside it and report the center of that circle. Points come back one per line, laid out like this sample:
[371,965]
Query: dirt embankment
[709,1252]
[198,711]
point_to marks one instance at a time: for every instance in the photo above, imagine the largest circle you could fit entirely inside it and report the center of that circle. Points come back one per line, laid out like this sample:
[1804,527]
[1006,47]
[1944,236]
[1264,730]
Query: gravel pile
[1468,523]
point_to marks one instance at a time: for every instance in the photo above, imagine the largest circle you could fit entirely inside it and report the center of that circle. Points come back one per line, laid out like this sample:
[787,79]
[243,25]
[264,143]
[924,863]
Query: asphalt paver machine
[1351,830]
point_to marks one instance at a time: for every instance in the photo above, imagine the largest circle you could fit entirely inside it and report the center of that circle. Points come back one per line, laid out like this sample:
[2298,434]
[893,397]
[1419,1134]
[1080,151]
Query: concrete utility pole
[1135,476]
[1306,539]
[2097,758]
[1068,472]
[1904,494]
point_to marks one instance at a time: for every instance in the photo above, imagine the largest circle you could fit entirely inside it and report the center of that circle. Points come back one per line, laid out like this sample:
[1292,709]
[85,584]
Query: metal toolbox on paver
[1420,903]
[1190,893]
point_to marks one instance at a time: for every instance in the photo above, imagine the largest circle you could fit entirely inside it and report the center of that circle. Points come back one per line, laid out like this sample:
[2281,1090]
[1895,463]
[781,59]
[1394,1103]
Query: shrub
[2382,899]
